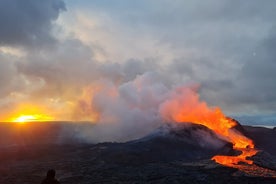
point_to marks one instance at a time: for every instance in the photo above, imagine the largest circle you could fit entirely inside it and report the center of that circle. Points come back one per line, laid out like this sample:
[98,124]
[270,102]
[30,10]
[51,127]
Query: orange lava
[184,105]
[231,161]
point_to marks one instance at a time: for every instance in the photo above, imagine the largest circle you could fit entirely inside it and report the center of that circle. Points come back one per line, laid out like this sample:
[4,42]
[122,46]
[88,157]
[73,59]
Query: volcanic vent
[170,142]
[190,129]
[131,113]
[188,143]
[184,106]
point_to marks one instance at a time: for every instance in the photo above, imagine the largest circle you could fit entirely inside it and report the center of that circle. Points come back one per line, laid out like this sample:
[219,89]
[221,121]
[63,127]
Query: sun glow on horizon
[24,118]
[27,112]
[31,118]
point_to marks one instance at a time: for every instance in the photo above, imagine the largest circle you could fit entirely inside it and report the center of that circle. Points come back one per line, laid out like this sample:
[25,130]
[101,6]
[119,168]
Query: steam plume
[134,108]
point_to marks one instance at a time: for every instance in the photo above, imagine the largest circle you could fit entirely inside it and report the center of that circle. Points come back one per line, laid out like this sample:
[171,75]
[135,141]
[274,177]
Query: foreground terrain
[152,159]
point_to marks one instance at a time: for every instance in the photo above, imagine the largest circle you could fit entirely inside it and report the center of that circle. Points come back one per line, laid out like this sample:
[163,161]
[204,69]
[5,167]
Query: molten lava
[234,160]
[184,106]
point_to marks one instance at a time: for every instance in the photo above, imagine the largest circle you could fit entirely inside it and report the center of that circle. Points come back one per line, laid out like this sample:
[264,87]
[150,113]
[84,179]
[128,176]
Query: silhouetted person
[50,178]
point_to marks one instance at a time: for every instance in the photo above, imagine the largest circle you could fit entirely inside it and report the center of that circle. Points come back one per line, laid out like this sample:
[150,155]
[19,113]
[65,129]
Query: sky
[68,60]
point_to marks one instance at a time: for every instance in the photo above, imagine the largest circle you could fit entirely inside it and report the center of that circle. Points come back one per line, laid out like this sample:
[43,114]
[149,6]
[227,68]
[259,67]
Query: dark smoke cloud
[29,21]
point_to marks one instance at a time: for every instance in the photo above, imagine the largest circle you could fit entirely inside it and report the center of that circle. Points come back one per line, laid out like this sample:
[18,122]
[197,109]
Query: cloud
[7,71]
[68,63]
[28,22]
[257,76]
[226,47]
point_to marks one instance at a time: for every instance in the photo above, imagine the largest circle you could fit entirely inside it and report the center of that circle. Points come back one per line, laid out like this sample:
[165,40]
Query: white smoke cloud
[133,109]
[128,110]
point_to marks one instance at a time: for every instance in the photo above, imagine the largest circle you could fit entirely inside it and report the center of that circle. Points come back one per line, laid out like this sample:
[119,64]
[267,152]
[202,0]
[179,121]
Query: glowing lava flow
[233,160]
[240,143]
[184,106]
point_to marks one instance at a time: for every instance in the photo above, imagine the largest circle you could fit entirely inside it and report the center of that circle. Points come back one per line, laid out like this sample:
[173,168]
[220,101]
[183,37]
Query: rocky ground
[84,164]
[122,163]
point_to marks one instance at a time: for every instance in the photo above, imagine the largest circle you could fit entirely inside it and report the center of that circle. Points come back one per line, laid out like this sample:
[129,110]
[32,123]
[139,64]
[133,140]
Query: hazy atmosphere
[122,61]
[138,91]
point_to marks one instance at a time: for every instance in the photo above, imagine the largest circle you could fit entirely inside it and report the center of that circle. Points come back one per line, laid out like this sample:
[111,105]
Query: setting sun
[28,113]
[30,118]
[25,118]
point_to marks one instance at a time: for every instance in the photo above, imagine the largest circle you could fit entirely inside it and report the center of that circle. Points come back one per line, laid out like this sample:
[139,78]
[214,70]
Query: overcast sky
[53,52]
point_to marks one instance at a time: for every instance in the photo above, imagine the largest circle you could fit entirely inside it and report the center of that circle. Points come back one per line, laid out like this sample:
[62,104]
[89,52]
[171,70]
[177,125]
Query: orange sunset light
[30,118]
[28,113]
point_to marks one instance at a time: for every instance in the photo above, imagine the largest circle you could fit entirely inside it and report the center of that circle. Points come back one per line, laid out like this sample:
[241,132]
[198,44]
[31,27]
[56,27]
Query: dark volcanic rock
[184,142]
[264,159]
[264,138]
[83,164]
[161,157]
